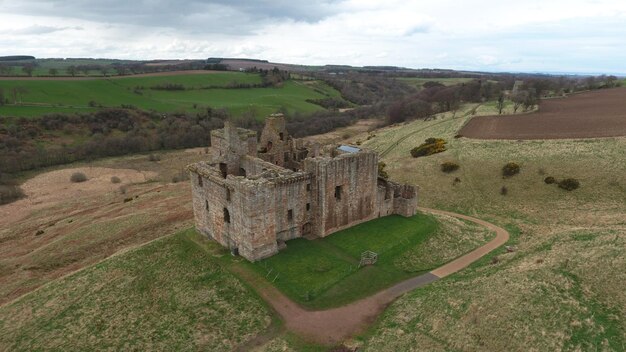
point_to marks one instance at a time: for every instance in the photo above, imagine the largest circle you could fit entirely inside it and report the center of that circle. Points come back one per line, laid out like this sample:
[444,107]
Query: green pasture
[35,98]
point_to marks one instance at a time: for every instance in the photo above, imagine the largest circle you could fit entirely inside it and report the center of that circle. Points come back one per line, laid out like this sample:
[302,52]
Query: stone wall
[250,205]
[345,190]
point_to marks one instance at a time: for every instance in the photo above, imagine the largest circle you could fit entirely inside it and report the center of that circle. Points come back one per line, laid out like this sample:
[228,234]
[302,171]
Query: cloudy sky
[586,36]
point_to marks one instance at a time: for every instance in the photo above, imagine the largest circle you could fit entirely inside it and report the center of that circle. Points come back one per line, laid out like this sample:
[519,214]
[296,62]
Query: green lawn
[324,273]
[63,96]
[170,295]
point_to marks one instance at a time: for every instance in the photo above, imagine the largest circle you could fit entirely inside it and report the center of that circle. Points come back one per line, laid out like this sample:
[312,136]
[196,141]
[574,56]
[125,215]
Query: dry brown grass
[168,295]
[62,226]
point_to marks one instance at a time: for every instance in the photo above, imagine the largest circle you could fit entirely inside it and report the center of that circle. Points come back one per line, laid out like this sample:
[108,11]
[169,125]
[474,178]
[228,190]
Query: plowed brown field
[600,113]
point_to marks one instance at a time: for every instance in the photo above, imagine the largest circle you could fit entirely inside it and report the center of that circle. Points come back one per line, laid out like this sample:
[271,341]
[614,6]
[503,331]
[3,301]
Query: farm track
[333,326]
[405,137]
[594,114]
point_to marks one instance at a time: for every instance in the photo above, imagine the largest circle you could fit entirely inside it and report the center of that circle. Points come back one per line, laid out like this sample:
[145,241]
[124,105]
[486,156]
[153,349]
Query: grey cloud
[38,30]
[203,16]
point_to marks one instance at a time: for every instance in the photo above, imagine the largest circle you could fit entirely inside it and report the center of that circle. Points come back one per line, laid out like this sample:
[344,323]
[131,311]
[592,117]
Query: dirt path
[333,326]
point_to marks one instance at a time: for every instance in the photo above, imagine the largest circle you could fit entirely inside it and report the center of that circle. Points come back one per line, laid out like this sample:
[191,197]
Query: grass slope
[561,289]
[324,273]
[41,97]
[168,295]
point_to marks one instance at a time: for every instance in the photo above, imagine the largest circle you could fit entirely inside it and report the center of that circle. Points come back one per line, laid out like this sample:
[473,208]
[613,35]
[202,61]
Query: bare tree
[72,70]
[500,103]
[18,92]
[53,72]
[104,70]
[28,69]
[5,70]
[518,99]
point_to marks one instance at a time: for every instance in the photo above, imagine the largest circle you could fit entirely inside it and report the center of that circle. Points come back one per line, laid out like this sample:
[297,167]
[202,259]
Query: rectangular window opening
[308,206]
[290,214]
[338,192]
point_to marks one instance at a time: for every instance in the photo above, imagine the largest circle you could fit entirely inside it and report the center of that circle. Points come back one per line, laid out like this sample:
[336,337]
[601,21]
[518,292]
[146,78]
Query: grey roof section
[349,149]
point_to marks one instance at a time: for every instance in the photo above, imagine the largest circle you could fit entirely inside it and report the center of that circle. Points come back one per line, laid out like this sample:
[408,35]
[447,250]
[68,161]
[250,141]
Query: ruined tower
[253,197]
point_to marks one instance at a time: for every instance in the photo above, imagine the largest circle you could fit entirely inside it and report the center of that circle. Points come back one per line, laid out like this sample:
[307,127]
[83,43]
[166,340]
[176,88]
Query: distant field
[600,113]
[324,273]
[419,82]
[36,97]
[169,295]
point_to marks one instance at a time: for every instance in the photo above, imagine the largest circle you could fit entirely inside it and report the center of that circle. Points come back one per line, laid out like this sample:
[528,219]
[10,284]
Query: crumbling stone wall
[251,203]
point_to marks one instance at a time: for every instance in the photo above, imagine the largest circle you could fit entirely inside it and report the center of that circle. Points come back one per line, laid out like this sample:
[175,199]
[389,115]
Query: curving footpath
[335,325]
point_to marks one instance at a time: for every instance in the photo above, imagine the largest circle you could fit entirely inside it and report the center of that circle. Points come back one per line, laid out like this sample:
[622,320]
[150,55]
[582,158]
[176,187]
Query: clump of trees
[429,147]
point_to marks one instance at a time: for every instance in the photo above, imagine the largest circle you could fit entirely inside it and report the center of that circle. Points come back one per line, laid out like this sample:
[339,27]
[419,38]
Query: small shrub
[78,177]
[495,260]
[569,184]
[510,169]
[504,191]
[430,147]
[10,193]
[449,167]
[115,179]
[457,136]
[154,157]
[39,233]
[381,170]
[549,180]
[126,200]
[456,181]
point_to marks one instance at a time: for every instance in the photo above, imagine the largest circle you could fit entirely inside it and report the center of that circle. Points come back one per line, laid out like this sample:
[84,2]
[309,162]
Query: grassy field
[419,82]
[201,91]
[562,289]
[168,295]
[324,273]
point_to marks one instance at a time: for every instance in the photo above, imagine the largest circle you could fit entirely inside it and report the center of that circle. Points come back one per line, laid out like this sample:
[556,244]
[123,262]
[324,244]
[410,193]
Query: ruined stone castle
[254,195]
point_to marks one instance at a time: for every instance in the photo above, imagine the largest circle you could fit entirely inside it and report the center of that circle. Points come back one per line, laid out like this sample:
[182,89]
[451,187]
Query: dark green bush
[78,177]
[549,180]
[569,184]
[430,147]
[510,169]
[449,167]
